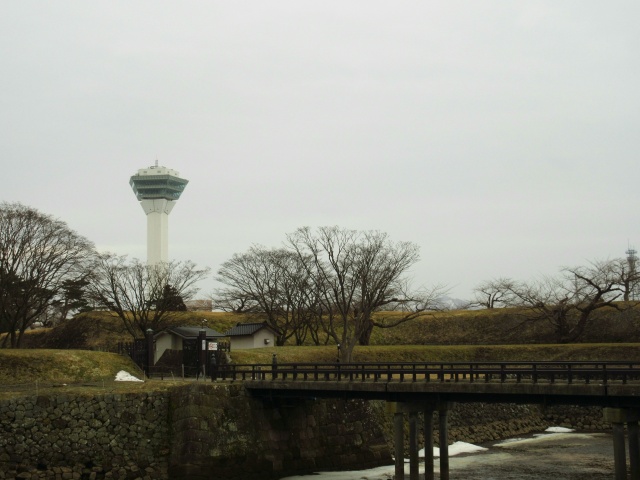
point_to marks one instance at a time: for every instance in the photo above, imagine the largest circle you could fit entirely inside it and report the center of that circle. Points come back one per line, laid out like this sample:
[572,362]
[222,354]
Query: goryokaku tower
[157,189]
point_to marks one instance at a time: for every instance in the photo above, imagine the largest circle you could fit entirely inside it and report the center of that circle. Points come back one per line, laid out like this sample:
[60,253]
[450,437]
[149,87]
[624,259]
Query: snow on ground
[380,473]
[387,472]
[457,448]
[123,376]
[559,430]
[548,432]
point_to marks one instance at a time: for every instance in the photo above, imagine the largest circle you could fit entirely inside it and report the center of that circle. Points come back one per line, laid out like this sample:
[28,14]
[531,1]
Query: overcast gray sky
[502,137]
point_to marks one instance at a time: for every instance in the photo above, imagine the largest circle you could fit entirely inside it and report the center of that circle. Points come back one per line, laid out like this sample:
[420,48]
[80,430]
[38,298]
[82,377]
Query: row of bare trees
[326,285]
[566,301]
[48,272]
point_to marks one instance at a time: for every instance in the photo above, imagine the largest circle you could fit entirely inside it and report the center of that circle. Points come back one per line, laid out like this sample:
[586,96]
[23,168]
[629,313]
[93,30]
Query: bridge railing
[519,372]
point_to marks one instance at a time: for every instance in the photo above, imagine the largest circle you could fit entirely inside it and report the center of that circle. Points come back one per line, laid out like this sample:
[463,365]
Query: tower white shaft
[157,229]
[157,188]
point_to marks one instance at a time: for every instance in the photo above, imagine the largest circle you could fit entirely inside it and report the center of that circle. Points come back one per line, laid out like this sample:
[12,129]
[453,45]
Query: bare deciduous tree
[273,283]
[494,293]
[356,275]
[39,255]
[139,293]
[568,301]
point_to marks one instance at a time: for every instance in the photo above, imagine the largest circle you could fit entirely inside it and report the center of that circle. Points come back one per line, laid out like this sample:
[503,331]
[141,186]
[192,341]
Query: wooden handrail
[519,372]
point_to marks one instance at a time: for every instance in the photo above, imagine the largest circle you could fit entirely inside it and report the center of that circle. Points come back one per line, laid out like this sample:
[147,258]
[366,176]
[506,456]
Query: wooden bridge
[431,387]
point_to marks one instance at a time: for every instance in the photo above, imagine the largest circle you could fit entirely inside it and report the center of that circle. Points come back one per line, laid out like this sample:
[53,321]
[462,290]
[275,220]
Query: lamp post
[339,353]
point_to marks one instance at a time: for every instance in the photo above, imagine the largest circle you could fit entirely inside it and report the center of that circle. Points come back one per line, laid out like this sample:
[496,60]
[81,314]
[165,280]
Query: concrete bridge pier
[618,417]
[412,409]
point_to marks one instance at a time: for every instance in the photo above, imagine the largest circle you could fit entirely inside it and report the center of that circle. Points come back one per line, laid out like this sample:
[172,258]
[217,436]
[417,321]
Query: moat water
[557,456]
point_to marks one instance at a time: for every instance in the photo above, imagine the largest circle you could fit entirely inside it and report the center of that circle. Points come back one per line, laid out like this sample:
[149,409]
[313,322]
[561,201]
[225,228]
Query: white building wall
[260,337]
[257,340]
[242,343]
[163,342]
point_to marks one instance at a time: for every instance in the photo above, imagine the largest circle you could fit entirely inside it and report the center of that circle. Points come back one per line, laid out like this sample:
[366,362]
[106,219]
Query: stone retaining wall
[216,431]
[479,423]
[220,429]
[84,437]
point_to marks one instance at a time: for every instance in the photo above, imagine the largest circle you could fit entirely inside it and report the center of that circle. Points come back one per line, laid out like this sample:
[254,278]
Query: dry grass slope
[62,354]
[68,366]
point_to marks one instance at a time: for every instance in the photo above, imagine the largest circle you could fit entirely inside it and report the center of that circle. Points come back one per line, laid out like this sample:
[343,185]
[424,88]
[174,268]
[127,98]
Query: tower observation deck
[157,188]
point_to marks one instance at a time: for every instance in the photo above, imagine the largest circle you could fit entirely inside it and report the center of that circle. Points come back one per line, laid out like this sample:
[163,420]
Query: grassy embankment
[481,335]
[103,331]
[72,366]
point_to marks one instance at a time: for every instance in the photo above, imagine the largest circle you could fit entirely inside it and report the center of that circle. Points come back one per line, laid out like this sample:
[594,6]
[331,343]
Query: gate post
[150,353]
[202,350]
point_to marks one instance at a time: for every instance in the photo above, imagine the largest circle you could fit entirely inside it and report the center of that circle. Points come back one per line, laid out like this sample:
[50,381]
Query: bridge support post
[634,448]
[413,446]
[428,444]
[444,441]
[619,458]
[618,417]
[398,443]
[412,409]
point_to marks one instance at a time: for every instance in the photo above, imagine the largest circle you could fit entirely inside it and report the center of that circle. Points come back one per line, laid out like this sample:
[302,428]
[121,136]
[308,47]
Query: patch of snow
[545,437]
[509,440]
[379,473]
[549,432]
[123,376]
[387,472]
[456,448]
[559,430]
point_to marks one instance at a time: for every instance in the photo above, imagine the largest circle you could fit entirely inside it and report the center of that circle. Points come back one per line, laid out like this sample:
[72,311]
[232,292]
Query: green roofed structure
[157,188]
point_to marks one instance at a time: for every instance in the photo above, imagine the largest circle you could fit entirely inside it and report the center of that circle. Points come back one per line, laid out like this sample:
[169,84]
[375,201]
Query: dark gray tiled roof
[245,329]
[194,332]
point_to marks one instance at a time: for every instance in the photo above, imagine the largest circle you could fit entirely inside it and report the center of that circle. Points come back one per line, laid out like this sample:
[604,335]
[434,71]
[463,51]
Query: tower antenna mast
[632,260]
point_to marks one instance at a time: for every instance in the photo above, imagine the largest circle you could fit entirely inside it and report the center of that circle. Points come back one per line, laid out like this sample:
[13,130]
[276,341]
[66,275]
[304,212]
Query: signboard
[213,345]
